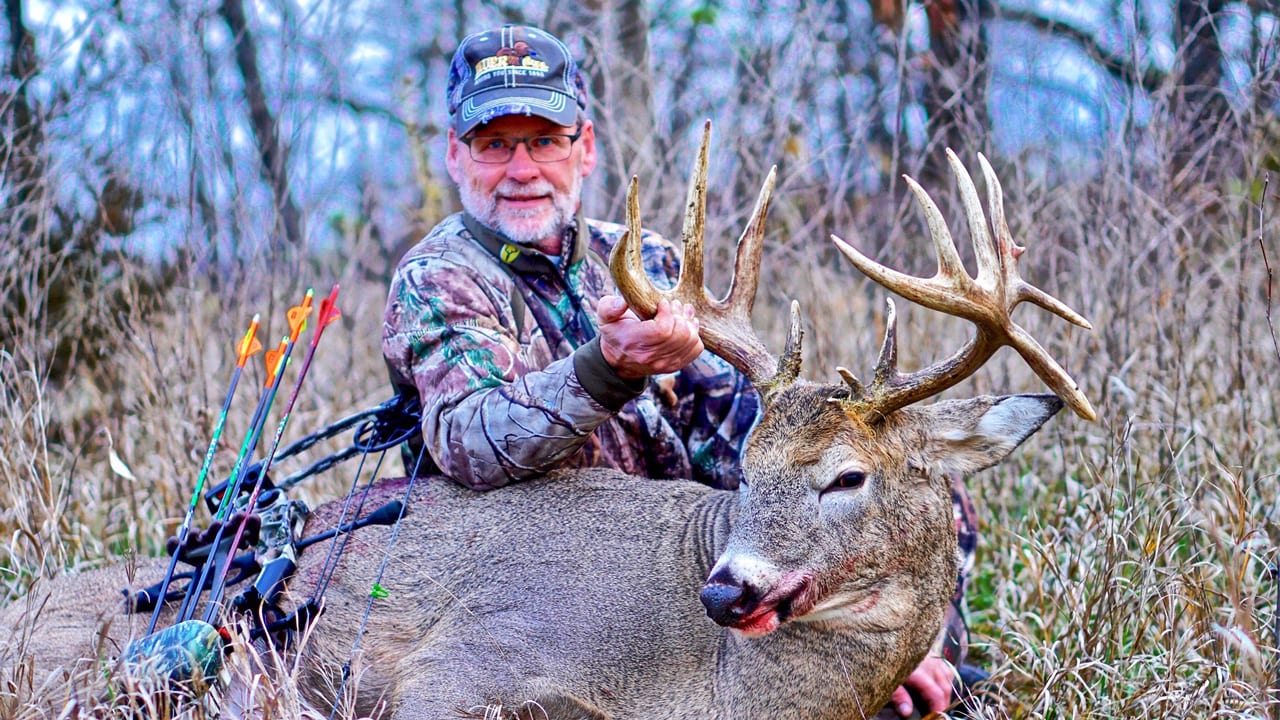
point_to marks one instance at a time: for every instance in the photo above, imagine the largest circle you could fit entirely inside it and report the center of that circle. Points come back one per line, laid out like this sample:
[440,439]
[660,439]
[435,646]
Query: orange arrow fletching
[298,316]
[249,343]
[255,347]
[328,314]
[275,361]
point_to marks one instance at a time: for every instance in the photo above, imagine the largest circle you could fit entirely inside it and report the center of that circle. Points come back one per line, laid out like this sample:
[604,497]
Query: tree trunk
[956,93]
[615,34]
[632,94]
[21,153]
[197,175]
[274,154]
[1199,105]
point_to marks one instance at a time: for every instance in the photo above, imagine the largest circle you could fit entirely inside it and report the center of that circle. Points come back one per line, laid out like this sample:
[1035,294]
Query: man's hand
[637,348]
[931,682]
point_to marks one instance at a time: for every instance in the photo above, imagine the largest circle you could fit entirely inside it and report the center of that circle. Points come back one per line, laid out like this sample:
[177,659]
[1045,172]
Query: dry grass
[1126,566]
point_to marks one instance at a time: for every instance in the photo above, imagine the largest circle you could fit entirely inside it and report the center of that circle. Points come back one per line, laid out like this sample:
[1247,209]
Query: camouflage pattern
[955,631]
[188,654]
[508,398]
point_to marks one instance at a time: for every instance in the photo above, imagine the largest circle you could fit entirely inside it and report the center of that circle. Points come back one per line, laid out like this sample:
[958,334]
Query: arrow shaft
[217,556]
[187,611]
[297,322]
[377,582]
[185,530]
[247,346]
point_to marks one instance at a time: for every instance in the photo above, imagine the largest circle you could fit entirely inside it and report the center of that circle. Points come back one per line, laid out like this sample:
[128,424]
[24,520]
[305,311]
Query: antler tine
[746,264]
[789,364]
[1053,375]
[989,265]
[887,365]
[987,301]
[1004,239]
[948,284]
[625,263]
[1044,366]
[690,286]
[725,326]
[741,296]
[866,399]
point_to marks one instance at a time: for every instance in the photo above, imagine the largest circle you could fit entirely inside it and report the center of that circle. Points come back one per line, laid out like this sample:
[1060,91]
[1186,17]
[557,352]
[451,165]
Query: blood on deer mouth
[793,596]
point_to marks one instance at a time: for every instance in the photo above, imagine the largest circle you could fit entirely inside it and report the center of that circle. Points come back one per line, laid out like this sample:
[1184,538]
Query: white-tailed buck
[586,594]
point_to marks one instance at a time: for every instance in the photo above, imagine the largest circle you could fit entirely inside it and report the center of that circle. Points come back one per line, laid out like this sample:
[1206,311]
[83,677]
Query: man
[504,319]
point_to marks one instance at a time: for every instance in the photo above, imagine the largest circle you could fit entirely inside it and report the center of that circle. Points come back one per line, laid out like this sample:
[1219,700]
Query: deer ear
[966,436]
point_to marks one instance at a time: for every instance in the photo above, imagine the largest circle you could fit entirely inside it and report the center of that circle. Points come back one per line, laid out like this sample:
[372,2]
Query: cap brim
[484,106]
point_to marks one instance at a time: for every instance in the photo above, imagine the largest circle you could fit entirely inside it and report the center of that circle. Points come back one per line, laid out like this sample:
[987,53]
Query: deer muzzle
[755,603]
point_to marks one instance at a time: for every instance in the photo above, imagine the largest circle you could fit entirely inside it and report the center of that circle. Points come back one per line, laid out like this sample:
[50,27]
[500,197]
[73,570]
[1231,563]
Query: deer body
[580,591]
[618,626]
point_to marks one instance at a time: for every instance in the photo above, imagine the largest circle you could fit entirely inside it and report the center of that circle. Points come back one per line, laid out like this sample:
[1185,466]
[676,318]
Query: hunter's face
[526,200]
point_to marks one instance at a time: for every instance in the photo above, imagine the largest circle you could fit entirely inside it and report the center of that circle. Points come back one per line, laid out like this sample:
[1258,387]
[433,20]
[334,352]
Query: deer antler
[987,301]
[726,323]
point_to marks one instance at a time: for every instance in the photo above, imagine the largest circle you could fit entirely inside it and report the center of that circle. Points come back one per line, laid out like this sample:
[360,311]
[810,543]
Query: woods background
[169,168]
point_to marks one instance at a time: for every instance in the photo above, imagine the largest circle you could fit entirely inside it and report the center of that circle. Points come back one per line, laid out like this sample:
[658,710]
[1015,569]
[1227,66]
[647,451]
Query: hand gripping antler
[725,324]
[987,301]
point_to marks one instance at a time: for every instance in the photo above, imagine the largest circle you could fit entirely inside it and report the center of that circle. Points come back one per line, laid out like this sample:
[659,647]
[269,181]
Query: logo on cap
[519,59]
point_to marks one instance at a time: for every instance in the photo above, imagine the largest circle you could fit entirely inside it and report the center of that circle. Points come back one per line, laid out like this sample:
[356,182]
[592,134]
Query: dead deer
[586,594]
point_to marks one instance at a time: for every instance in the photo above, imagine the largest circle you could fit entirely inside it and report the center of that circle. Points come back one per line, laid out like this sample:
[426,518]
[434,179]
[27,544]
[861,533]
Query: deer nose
[727,598]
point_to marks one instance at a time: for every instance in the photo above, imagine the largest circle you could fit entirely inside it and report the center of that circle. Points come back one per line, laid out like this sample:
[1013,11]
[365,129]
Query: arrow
[247,346]
[297,321]
[275,362]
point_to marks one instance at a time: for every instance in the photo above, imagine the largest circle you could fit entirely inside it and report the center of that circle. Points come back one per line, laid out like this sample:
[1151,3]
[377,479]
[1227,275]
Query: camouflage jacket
[499,343]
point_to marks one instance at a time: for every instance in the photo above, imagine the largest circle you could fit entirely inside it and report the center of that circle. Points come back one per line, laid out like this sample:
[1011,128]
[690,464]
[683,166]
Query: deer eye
[850,480]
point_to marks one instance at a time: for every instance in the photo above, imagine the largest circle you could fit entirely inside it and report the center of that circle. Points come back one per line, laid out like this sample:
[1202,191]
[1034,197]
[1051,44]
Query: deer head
[845,517]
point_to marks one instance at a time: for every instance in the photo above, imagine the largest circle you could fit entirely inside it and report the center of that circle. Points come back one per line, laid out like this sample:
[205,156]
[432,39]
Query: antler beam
[987,301]
[725,324]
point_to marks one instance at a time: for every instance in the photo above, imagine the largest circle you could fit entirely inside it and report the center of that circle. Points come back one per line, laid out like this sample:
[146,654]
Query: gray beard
[520,226]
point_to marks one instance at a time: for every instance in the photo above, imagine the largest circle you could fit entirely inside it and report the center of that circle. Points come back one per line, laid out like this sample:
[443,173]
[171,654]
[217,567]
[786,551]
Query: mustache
[517,190]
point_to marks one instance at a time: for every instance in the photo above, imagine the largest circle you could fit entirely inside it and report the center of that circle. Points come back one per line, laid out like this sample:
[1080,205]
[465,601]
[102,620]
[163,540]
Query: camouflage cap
[514,70]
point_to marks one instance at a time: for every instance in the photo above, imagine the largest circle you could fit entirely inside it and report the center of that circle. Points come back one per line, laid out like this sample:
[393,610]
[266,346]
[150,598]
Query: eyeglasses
[495,149]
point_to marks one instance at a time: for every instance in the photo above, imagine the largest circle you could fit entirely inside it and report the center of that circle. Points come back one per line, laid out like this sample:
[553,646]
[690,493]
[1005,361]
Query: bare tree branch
[1118,66]
[265,128]
[25,137]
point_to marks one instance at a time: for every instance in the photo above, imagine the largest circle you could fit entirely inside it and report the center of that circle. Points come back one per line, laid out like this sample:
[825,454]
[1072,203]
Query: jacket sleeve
[489,419]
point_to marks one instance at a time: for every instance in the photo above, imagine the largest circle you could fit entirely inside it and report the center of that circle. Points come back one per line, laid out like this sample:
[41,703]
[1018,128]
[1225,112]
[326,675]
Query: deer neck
[706,531]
